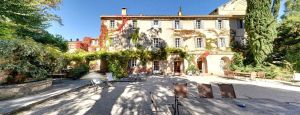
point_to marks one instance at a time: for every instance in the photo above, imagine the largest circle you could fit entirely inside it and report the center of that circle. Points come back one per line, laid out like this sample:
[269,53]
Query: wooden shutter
[159,23]
[181,44]
[152,24]
[201,24]
[195,24]
[223,24]
[173,24]
[216,24]
[195,42]
[180,25]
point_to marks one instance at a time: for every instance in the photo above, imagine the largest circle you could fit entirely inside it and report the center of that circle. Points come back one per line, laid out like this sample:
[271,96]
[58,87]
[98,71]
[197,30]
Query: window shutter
[202,24]
[173,24]
[218,42]
[180,25]
[181,42]
[195,42]
[173,42]
[216,22]
[223,24]
[160,42]
[238,23]
[152,24]
[159,23]
[195,24]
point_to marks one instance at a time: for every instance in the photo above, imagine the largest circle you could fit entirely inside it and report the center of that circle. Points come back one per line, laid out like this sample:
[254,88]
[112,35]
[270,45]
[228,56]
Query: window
[240,24]
[112,24]
[155,42]
[222,42]
[114,40]
[156,65]
[134,23]
[132,63]
[198,24]
[155,23]
[177,42]
[93,42]
[200,43]
[177,24]
[219,24]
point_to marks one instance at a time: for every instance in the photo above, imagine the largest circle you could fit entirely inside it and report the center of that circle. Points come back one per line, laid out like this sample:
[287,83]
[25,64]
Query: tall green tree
[287,45]
[261,25]
[22,19]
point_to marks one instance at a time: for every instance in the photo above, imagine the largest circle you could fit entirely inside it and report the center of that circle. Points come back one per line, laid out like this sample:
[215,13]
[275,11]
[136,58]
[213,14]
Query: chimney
[180,11]
[124,11]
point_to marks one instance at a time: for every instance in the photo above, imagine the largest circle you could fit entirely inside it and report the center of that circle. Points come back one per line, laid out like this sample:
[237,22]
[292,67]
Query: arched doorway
[177,66]
[202,64]
[103,66]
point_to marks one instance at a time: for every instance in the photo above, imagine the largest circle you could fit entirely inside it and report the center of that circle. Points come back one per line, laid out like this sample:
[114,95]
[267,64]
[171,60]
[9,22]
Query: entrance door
[199,64]
[177,66]
[202,65]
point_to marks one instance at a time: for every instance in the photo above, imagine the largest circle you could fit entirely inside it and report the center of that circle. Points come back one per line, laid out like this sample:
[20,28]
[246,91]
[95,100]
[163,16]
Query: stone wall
[12,91]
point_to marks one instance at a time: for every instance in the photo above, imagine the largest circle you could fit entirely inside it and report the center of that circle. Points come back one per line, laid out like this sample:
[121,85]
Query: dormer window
[112,23]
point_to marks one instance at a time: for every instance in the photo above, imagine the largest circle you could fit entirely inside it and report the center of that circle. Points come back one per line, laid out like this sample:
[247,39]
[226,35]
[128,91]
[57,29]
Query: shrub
[78,71]
[192,68]
[27,59]
[237,61]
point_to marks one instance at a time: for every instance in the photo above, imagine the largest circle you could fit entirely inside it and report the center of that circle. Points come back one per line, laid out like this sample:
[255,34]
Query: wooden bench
[252,75]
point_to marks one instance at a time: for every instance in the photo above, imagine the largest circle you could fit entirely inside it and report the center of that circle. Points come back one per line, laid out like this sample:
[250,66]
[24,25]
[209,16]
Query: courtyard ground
[132,98]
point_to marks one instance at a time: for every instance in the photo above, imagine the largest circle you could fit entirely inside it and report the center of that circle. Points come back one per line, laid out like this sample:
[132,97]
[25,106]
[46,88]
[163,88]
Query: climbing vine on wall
[187,34]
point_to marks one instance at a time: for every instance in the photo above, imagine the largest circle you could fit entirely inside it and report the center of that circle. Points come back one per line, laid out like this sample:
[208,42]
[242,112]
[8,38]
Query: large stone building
[206,37]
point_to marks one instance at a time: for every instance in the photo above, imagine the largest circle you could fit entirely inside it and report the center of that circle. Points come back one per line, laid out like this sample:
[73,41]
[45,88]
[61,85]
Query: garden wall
[11,91]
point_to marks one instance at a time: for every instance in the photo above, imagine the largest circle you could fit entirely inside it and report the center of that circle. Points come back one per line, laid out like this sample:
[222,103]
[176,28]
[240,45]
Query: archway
[177,66]
[202,64]
[103,66]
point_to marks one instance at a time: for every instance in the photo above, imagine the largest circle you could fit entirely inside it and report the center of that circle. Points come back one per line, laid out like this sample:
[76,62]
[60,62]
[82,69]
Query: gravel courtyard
[132,98]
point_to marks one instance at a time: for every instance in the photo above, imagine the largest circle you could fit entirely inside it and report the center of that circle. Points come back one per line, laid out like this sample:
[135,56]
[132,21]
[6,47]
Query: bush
[24,59]
[192,68]
[78,71]
[237,61]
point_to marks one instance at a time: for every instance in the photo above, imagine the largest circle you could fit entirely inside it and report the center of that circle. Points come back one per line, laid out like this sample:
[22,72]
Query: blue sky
[82,17]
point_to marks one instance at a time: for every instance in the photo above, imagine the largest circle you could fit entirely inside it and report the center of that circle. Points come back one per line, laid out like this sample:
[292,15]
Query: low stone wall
[12,91]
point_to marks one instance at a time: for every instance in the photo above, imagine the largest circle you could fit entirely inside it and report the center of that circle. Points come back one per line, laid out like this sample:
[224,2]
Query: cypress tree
[260,25]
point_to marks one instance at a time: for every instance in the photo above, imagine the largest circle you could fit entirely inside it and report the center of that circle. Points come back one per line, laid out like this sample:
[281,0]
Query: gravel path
[132,98]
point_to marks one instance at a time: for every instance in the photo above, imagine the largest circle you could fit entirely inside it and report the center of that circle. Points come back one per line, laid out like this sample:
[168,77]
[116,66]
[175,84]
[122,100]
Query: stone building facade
[207,38]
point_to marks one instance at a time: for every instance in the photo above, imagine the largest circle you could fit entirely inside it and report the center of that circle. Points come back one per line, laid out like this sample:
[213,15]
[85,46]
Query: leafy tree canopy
[22,19]
[261,26]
